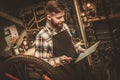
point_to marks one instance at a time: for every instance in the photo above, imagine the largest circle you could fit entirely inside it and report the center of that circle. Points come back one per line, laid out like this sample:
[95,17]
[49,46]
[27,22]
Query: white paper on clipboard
[87,52]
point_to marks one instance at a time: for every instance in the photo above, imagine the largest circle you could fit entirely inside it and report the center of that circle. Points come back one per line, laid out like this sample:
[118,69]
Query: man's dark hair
[54,6]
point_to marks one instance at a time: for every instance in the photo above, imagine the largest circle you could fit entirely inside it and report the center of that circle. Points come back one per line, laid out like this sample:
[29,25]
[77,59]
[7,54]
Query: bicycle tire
[54,73]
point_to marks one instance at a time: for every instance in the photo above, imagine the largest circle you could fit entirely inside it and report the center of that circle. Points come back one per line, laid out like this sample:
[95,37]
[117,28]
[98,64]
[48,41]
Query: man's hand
[82,50]
[78,46]
[80,43]
[65,59]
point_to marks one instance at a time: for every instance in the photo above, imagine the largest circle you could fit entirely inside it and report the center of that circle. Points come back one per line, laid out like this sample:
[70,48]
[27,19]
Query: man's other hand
[65,59]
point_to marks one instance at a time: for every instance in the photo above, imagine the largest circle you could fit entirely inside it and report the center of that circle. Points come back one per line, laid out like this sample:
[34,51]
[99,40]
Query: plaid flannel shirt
[44,44]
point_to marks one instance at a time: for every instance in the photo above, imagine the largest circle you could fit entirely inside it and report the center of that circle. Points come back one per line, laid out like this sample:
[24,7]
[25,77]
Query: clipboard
[87,52]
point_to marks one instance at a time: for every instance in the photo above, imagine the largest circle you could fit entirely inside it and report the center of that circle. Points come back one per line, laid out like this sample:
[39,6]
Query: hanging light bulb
[89,8]
[88,5]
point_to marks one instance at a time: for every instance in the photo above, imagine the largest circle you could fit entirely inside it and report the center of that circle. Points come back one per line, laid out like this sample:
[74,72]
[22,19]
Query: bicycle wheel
[24,67]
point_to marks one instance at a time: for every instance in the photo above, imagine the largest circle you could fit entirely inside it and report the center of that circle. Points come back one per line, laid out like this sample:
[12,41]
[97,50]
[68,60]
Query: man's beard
[57,26]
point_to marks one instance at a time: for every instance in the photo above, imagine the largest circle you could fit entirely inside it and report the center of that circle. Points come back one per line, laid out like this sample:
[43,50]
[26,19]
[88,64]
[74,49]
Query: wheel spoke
[18,70]
[11,76]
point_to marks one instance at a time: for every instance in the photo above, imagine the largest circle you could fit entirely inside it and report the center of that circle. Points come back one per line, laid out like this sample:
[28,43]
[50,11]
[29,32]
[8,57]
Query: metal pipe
[82,28]
[11,18]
